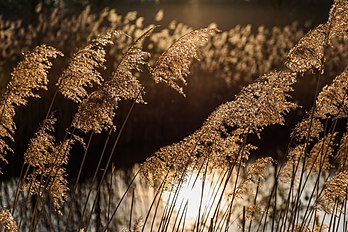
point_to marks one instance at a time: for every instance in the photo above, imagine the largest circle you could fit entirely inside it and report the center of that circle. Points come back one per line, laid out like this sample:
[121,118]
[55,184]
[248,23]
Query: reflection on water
[112,190]
[121,205]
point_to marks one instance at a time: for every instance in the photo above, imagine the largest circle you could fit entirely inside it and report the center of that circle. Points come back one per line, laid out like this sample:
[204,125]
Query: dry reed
[315,163]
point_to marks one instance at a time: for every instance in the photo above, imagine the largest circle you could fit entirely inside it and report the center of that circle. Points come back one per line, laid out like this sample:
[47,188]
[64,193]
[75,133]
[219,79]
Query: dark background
[167,117]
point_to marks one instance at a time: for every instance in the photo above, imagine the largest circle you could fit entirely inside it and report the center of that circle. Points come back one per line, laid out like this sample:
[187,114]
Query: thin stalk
[73,193]
[110,193]
[113,149]
[243,220]
[345,212]
[159,191]
[275,197]
[228,220]
[265,213]
[14,205]
[178,213]
[96,171]
[340,216]
[131,212]
[173,203]
[332,216]
[183,224]
[288,200]
[318,195]
[51,104]
[201,196]
[218,186]
[322,222]
[183,216]
[119,203]
[156,209]
[314,220]
[316,186]
[229,207]
[240,152]
[223,219]
[164,212]
[254,203]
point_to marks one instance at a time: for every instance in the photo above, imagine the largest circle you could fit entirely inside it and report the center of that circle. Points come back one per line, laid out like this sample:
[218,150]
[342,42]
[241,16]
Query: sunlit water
[122,204]
[189,203]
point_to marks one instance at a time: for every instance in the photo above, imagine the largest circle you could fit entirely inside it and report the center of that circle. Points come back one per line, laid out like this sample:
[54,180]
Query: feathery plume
[41,145]
[176,158]
[83,69]
[309,51]
[334,192]
[292,166]
[255,172]
[222,136]
[341,156]
[97,111]
[332,101]
[123,83]
[338,19]
[174,64]
[7,221]
[300,132]
[42,155]
[262,103]
[29,75]
[321,152]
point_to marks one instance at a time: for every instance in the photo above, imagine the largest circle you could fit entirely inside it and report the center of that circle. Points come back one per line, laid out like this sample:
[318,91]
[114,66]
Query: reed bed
[303,190]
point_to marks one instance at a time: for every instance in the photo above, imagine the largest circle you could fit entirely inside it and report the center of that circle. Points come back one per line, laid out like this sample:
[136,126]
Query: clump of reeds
[255,195]
[223,140]
[29,76]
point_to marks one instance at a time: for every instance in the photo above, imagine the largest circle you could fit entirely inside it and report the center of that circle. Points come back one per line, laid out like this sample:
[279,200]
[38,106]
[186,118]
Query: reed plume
[334,193]
[28,77]
[47,176]
[307,129]
[338,20]
[308,53]
[341,155]
[173,66]
[97,111]
[332,101]
[7,222]
[258,105]
[262,103]
[294,159]
[320,154]
[221,138]
[83,69]
[255,172]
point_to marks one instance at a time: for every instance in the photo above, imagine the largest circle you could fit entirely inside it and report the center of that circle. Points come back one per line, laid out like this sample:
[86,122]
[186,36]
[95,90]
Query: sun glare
[192,198]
